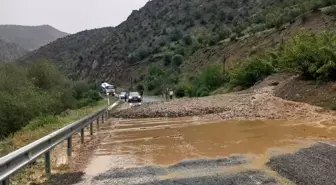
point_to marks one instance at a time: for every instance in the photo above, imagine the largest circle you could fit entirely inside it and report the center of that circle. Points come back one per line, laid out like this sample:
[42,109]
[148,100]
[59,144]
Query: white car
[123,95]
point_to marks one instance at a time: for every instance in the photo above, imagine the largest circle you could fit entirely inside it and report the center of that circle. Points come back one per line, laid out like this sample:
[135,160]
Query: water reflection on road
[130,143]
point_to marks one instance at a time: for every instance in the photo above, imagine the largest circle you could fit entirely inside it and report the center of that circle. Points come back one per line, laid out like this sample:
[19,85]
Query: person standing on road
[171,94]
[126,96]
[141,92]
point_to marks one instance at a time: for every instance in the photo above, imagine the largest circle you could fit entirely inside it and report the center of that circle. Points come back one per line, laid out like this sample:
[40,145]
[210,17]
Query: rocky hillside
[167,34]
[29,37]
[10,51]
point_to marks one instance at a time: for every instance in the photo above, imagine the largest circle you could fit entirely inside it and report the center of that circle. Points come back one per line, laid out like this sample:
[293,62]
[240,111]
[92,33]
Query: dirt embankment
[258,102]
[316,93]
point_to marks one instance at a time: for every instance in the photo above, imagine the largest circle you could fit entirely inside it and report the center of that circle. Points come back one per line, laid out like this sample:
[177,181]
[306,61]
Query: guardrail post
[82,135]
[5,181]
[98,123]
[91,128]
[47,163]
[69,148]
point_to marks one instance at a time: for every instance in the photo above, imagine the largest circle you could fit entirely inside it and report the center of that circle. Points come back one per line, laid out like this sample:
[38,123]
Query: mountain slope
[10,51]
[29,37]
[166,33]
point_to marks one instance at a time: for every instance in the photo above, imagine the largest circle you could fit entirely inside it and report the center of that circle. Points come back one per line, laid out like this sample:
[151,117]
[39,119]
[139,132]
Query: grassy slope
[30,133]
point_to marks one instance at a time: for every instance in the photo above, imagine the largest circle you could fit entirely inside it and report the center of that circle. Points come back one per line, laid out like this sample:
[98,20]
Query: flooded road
[143,142]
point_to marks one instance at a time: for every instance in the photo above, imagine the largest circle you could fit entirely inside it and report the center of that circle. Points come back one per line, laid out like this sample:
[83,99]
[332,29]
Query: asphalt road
[147,99]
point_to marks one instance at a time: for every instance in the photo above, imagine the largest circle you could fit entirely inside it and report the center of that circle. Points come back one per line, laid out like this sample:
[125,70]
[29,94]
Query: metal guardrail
[16,160]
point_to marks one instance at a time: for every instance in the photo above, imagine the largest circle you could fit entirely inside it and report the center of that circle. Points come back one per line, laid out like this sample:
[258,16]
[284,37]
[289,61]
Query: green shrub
[155,78]
[187,39]
[143,53]
[46,76]
[183,90]
[150,86]
[40,122]
[155,71]
[180,50]
[311,54]
[330,10]
[167,59]
[213,40]
[180,92]
[162,41]
[89,98]
[37,90]
[211,77]
[157,91]
[177,59]
[250,72]
[176,35]
[223,33]
[202,91]
[194,47]
[79,88]
[140,88]
[197,15]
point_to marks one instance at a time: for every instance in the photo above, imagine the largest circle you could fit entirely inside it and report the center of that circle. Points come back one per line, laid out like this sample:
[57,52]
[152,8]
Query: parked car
[123,95]
[134,97]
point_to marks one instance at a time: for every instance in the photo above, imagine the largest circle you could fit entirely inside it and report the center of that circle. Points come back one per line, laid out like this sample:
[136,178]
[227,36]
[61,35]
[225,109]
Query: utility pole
[131,83]
[223,62]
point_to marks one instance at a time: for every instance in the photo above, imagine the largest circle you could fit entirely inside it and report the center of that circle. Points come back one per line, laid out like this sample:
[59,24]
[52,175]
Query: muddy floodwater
[131,143]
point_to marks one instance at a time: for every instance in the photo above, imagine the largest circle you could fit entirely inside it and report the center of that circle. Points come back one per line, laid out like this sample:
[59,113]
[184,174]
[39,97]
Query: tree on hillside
[177,59]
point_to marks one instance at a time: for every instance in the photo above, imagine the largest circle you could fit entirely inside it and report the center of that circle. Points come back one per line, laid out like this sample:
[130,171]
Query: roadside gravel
[195,172]
[311,166]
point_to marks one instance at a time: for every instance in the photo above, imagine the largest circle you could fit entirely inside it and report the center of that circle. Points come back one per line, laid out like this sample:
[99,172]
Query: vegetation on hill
[10,51]
[165,33]
[309,54]
[36,129]
[30,37]
[37,90]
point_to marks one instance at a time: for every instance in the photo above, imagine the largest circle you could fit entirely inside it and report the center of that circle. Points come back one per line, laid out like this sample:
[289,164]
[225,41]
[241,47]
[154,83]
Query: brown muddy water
[131,143]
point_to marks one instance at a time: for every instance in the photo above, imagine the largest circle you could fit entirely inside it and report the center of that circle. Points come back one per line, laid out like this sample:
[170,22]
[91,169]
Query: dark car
[134,97]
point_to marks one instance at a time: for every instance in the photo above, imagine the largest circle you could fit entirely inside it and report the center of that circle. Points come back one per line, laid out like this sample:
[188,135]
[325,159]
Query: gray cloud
[68,15]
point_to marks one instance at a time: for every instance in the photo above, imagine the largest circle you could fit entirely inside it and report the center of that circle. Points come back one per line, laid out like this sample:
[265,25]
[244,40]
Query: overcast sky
[68,15]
